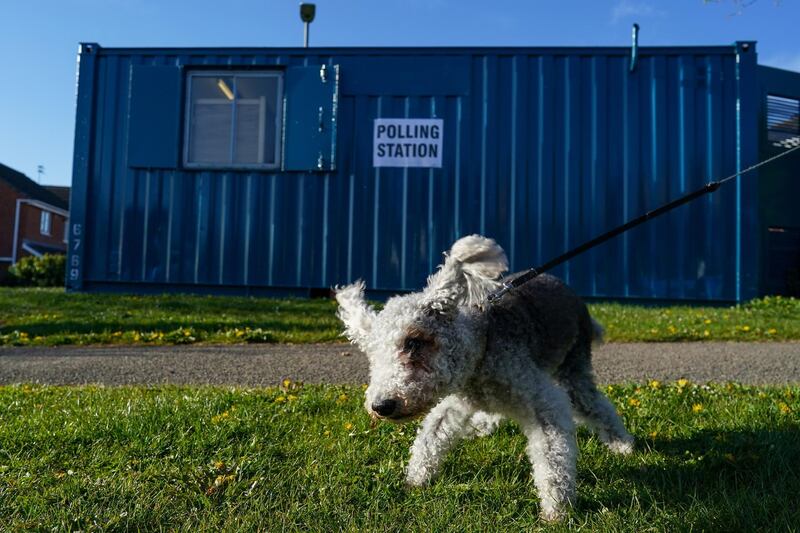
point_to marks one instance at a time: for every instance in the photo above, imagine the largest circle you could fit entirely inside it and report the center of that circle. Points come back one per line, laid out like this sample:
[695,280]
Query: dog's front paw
[554,508]
[417,477]
[553,514]
[621,447]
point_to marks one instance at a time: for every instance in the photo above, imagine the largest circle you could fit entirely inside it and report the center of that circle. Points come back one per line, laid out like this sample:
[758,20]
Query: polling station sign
[407,142]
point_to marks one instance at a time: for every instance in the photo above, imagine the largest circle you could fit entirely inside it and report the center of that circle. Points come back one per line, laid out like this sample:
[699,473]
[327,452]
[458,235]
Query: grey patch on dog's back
[544,314]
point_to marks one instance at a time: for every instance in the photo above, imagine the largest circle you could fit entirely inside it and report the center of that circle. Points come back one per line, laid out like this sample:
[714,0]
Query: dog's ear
[354,312]
[471,270]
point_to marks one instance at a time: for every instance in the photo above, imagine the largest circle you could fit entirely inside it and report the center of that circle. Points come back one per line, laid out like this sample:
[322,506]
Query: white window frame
[45,222]
[278,126]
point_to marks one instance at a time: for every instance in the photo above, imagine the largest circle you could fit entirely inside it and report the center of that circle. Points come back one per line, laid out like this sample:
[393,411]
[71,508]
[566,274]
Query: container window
[45,223]
[783,118]
[233,120]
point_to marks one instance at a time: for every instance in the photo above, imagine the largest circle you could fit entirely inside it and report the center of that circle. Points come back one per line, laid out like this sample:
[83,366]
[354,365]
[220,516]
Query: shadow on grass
[734,477]
[732,480]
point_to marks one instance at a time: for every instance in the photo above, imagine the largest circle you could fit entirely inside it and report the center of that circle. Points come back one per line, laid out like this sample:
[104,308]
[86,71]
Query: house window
[783,118]
[233,119]
[45,223]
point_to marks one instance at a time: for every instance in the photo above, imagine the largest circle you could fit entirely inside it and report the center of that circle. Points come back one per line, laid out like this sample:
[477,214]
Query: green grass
[53,317]
[763,319]
[712,457]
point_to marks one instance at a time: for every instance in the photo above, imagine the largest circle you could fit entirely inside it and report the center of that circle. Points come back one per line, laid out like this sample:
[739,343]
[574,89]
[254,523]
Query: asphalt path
[268,364]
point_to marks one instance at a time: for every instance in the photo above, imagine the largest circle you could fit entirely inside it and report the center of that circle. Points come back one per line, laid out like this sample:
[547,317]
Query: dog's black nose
[385,407]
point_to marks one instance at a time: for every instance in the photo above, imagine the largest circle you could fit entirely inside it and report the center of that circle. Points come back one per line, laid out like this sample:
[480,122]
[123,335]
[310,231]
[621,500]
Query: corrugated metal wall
[543,149]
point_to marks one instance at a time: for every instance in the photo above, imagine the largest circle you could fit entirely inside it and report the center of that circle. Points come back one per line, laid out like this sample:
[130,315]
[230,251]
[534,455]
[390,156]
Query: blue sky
[39,41]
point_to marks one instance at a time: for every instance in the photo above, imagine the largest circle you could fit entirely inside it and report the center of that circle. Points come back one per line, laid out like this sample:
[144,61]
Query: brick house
[33,219]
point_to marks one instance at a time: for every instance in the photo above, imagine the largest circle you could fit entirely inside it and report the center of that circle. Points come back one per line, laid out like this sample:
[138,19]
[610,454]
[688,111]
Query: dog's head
[421,345]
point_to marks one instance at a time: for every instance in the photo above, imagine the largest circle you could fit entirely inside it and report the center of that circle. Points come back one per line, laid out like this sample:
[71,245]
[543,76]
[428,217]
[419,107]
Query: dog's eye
[416,351]
[412,344]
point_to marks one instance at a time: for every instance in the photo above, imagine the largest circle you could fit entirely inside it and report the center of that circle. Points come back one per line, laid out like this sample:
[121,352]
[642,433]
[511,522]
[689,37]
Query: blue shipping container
[541,149]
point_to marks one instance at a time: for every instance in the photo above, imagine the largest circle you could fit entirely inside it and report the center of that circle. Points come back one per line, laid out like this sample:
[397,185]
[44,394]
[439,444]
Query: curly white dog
[526,357]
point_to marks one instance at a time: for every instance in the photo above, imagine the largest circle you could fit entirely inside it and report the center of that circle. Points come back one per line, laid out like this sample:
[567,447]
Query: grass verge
[719,457]
[53,317]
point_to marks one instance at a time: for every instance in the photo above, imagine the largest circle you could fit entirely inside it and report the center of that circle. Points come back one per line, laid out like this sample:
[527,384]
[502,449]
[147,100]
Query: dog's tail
[471,270]
[598,333]
[479,257]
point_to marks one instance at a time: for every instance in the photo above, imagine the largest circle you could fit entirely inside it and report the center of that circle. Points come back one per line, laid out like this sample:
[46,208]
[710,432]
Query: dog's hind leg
[590,406]
[445,425]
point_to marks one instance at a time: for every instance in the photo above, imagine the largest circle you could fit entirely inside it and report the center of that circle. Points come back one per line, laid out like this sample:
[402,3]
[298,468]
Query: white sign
[407,142]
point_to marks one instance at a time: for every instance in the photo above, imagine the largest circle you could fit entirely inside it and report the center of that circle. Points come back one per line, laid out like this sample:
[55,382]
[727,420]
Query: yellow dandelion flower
[287,382]
[222,479]
[343,397]
[327,433]
[706,333]
[348,426]
[653,330]
[220,417]
[745,328]
[291,397]
[772,331]
[762,395]
[785,409]
[655,384]
[696,408]
[682,383]
[186,333]
[610,389]
[137,337]
[634,402]
[219,465]
[707,321]
[653,434]
[280,399]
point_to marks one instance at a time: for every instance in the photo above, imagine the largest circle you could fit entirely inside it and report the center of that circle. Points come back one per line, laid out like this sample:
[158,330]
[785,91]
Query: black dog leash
[705,189]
